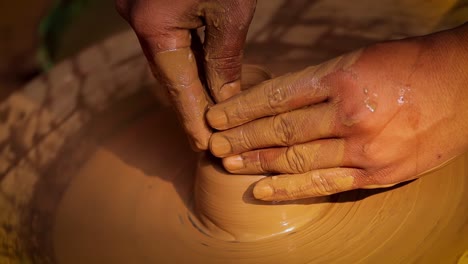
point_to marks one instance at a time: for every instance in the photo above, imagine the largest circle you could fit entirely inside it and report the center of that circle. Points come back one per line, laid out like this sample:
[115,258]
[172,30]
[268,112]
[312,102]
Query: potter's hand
[369,119]
[165,29]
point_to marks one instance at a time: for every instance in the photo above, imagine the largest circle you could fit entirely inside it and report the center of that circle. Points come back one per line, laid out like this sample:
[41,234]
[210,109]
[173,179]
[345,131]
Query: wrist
[447,63]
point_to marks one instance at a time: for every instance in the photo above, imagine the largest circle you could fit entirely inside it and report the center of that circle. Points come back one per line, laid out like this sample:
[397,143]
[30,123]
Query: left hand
[369,119]
[166,30]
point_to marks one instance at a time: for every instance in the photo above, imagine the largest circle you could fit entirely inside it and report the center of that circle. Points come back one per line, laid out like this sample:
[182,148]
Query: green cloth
[53,26]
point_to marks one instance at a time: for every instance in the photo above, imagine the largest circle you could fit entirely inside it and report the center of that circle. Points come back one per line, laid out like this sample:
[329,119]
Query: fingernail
[378,186]
[220,146]
[263,191]
[233,163]
[198,143]
[217,118]
[228,90]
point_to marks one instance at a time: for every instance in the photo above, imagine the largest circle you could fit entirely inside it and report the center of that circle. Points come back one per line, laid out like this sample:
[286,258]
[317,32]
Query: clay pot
[225,205]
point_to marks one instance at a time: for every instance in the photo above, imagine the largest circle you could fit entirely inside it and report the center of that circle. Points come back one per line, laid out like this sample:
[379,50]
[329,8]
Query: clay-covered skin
[372,118]
[177,56]
[224,204]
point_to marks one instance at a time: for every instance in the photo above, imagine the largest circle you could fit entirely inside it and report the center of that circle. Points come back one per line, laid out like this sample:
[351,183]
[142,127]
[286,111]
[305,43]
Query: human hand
[372,118]
[166,31]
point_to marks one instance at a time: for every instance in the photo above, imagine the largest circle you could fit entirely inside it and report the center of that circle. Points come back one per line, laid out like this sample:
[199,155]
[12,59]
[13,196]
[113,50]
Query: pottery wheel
[107,177]
[138,211]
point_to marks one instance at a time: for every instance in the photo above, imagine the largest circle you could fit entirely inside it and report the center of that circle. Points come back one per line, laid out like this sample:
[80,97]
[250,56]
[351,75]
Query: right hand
[373,118]
[165,29]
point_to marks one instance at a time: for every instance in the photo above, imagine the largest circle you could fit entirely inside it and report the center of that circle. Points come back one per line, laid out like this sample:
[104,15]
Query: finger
[282,94]
[269,98]
[186,92]
[225,34]
[166,42]
[299,158]
[286,129]
[310,184]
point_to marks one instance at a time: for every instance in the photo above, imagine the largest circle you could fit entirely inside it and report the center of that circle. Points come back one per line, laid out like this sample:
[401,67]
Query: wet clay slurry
[132,203]
[225,205]
[145,197]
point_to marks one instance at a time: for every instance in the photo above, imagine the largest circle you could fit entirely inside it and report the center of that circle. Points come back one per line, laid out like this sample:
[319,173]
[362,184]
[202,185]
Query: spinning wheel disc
[141,213]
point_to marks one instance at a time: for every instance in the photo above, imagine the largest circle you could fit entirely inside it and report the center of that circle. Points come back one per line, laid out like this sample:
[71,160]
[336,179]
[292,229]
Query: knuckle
[283,130]
[264,162]
[199,144]
[148,22]
[351,116]
[245,139]
[276,96]
[371,153]
[296,160]
[225,69]
[225,61]
[145,29]
[323,185]
[381,176]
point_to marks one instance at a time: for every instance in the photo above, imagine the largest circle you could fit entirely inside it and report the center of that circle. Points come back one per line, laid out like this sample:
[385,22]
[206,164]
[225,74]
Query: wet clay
[132,202]
[142,198]
[145,197]
[186,93]
[225,205]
